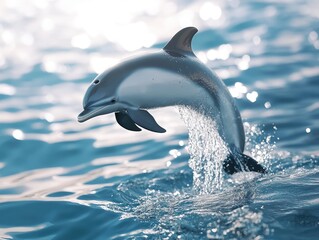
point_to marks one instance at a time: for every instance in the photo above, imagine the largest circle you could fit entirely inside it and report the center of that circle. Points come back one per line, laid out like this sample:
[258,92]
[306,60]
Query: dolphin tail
[240,162]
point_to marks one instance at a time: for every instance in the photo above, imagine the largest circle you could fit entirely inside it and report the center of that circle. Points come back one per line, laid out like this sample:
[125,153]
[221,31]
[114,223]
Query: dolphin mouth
[91,112]
[88,113]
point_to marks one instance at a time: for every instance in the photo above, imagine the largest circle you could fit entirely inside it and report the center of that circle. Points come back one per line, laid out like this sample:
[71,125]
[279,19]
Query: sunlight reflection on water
[101,178]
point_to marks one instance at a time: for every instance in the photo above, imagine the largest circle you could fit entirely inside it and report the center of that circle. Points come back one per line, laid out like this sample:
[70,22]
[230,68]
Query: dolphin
[173,76]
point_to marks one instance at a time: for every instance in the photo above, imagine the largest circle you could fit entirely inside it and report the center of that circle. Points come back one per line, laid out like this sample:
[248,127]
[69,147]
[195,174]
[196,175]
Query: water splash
[223,215]
[242,223]
[207,151]
[261,145]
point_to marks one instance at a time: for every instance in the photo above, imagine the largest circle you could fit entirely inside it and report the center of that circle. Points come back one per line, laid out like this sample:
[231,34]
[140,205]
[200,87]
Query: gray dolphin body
[172,76]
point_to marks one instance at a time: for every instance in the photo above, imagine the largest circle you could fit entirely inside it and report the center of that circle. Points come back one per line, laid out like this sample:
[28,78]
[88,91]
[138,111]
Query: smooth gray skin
[172,76]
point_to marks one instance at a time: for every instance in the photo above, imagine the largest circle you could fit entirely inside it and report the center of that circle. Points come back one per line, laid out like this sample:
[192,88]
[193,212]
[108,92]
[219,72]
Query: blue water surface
[60,179]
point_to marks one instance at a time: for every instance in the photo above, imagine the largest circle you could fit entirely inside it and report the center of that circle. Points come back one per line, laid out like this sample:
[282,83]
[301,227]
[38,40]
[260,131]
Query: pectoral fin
[126,122]
[145,120]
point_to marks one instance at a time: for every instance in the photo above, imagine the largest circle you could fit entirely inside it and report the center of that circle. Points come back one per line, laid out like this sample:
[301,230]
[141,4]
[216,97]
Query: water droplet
[18,134]
[267,105]
[211,54]
[175,153]
[224,51]
[252,96]
[243,63]
[240,87]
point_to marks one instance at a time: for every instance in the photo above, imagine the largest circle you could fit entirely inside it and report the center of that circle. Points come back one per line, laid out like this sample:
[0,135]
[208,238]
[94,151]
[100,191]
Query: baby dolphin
[172,76]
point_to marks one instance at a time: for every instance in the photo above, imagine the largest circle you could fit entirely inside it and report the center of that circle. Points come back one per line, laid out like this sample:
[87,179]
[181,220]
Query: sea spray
[260,144]
[207,150]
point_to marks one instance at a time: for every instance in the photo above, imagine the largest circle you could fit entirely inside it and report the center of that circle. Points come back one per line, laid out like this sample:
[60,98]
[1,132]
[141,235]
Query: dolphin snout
[81,116]
[93,111]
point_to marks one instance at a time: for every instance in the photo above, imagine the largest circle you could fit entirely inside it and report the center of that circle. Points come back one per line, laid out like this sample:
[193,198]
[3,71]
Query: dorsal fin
[182,42]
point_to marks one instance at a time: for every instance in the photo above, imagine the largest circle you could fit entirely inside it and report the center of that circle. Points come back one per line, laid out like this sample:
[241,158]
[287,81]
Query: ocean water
[60,179]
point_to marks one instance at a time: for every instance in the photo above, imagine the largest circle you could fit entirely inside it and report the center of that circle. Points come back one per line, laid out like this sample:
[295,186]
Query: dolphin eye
[113,100]
[96,82]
